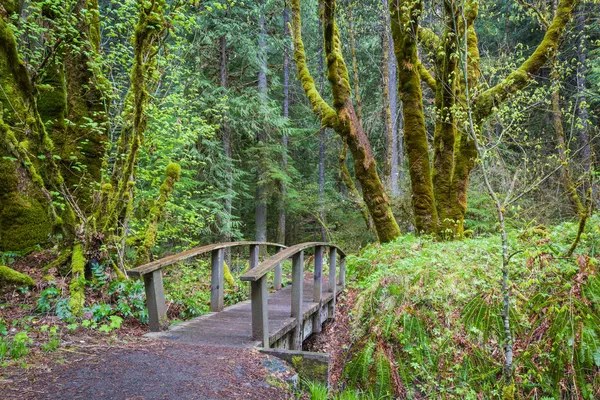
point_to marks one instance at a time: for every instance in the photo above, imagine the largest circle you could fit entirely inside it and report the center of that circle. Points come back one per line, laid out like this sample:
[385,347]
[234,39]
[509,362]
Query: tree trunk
[343,119]
[27,169]
[404,32]
[390,70]
[355,76]
[284,138]
[322,138]
[261,186]
[226,143]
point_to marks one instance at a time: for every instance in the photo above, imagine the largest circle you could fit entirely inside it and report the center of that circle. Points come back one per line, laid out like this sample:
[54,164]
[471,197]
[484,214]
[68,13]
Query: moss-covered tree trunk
[117,195]
[440,194]
[29,178]
[404,31]
[343,119]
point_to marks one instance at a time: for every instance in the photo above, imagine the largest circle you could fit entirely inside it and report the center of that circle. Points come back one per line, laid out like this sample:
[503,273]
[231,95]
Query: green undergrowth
[427,322]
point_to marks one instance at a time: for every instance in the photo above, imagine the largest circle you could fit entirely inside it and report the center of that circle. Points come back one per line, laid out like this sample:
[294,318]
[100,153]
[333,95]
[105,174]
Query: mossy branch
[9,276]
[428,39]
[320,107]
[426,76]
[489,100]
[337,72]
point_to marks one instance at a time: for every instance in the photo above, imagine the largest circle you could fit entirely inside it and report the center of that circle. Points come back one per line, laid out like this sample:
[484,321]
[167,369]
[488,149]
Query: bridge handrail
[269,264]
[259,294]
[174,258]
[151,273]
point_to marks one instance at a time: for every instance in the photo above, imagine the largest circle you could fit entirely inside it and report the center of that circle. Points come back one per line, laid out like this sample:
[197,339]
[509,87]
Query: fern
[484,317]
[357,370]
[383,376]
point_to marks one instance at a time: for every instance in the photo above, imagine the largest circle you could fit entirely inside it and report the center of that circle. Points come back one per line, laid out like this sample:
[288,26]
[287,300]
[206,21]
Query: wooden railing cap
[172,259]
[270,263]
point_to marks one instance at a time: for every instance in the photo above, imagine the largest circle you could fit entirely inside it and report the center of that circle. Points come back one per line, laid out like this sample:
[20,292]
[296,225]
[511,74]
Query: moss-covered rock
[9,276]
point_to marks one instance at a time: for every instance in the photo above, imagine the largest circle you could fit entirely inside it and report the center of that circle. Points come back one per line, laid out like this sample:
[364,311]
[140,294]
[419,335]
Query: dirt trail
[151,370]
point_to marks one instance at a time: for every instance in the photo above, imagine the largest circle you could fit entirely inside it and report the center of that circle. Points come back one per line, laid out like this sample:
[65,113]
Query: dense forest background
[135,129]
[224,102]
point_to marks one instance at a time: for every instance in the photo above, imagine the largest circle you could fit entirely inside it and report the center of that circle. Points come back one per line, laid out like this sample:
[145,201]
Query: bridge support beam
[216,287]
[318,288]
[332,280]
[277,275]
[297,294]
[260,313]
[343,272]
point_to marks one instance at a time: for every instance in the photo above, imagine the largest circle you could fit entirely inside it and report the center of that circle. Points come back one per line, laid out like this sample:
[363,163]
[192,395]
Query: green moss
[77,286]
[9,276]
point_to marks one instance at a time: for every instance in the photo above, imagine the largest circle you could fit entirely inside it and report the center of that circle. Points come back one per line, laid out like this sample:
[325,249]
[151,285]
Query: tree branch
[320,107]
[426,76]
[490,99]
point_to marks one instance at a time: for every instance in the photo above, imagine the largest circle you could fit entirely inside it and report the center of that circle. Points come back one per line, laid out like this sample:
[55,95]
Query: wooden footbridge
[282,319]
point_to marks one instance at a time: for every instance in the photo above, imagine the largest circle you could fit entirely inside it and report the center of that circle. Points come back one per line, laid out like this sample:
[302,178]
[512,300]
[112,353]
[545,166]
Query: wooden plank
[297,298]
[270,263]
[175,258]
[216,278]
[260,314]
[318,288]
[155,301]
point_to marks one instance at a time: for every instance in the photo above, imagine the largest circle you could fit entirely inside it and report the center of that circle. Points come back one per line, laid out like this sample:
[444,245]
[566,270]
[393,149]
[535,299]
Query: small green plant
[53,339]
[20,345]
[115,323]
[4,347]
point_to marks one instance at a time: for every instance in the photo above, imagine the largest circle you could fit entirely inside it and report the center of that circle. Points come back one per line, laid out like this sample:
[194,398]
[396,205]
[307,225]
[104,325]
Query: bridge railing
[258,281]
[153,281]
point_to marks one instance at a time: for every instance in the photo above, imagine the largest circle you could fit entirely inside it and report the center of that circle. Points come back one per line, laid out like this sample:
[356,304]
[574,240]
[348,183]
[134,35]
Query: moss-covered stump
[9,276]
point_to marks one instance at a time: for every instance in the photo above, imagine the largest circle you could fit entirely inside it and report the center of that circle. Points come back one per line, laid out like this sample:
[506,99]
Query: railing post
[260,313]
[216,279]
[277,275]
[332,281]
[318,288]
[253,262]
[297,293]
[155,301]
[343,271]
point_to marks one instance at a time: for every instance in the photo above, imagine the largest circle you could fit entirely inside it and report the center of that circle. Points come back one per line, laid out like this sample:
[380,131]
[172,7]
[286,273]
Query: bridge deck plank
[232,327]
